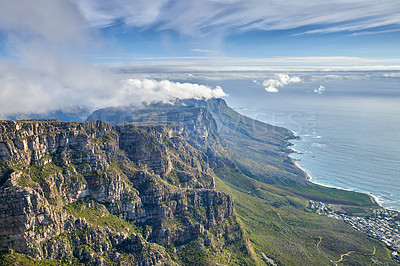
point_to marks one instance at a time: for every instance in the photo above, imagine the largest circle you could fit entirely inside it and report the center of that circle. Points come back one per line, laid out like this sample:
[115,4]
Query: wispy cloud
[203,51]
[202,17]
[209,63]
[272,85]
[374,32]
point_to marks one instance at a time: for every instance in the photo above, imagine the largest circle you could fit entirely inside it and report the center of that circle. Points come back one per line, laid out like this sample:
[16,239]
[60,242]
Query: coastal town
[381,224]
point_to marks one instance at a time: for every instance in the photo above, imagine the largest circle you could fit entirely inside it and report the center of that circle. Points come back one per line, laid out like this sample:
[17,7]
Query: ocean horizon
[349,142]
[335,154]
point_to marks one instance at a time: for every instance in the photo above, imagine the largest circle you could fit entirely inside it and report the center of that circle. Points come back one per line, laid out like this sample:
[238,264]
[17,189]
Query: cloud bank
[272,85]
[27,90]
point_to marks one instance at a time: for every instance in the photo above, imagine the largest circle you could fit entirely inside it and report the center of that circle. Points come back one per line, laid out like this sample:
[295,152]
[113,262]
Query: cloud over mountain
[47,42]
[26,90]
[137,91]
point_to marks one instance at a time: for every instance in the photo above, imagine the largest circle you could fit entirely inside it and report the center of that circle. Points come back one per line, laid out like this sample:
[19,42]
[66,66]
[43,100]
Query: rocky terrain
[188,183]
[268,161]
[100,194]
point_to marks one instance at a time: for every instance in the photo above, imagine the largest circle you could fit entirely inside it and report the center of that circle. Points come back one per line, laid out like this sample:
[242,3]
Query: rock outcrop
[95,193]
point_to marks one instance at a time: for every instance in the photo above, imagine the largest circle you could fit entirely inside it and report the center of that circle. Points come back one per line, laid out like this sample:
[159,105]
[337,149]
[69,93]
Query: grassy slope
[279,225]
[274,210]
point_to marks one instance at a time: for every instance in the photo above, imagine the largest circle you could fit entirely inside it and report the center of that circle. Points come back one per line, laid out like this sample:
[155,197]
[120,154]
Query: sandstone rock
[148,175]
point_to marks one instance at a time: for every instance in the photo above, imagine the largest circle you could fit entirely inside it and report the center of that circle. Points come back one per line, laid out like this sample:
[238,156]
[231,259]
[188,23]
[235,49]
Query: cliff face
[198,125]
[96,192]
[258,149]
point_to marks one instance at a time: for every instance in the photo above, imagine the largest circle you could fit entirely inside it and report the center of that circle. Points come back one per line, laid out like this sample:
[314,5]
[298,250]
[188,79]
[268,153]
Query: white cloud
[332,77]
[26,90]
[374,32]
[146,90]
[320,90]
[272,85]
[271,89]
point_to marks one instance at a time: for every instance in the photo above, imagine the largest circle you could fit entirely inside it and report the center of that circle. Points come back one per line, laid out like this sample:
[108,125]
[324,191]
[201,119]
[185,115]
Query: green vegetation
[330,195]
[40,174]
[172,177]
[106,138]
[16,259]
[97,214]
[221,252]
[195,253]
[354,210]
[279,225]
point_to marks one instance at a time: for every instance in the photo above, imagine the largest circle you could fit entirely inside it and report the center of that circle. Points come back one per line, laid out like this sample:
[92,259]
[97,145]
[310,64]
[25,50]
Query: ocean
[347,141]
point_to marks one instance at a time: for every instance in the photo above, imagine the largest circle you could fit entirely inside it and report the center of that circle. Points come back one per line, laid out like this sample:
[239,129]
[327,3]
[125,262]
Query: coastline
[308,175]
[295,151]
[373,198]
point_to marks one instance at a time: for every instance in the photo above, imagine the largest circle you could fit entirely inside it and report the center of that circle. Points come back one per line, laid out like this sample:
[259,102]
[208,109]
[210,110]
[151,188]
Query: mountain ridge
[132,173]
[243,194]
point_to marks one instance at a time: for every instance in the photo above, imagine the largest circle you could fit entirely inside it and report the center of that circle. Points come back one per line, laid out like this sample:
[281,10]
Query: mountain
[188,183]
[94,193]
[237,131]
[261,151]
[68,114]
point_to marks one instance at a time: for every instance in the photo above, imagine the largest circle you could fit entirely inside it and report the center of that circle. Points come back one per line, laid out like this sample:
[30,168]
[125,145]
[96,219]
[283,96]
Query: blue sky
[256,29]
[214,28]
[381,43]
[51,51]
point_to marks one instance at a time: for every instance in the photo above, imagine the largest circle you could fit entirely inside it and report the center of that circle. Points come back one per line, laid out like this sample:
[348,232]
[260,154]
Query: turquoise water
[351,143]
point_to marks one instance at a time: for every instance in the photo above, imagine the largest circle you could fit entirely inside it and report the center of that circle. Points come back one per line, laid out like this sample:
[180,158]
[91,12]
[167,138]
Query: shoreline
[373,198]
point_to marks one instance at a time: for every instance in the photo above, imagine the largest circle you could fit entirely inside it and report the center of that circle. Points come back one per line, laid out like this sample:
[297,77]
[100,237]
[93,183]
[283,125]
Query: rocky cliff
[260,150]
[200,129]
[99,194]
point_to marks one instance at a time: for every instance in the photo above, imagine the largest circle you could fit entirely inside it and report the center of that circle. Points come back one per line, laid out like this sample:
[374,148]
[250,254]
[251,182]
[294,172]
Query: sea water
[346,142]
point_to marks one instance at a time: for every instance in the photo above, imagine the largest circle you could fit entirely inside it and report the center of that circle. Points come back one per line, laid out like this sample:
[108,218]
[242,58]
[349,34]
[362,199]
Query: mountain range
[191,182]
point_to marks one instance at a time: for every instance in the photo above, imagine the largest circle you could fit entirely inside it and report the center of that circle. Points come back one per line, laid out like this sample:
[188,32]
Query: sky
[252,28]
[95,52]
